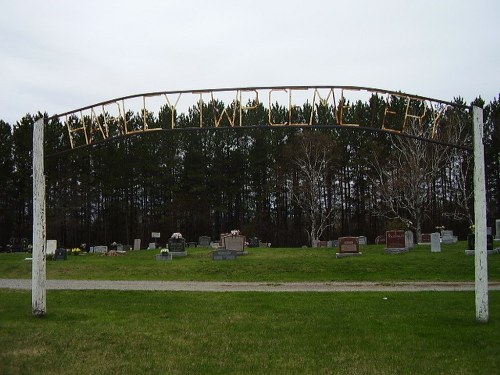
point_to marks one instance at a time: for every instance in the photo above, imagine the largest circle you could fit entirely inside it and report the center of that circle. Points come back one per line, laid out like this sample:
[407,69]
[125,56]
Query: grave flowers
[75,251]
[235,232]
[176,236]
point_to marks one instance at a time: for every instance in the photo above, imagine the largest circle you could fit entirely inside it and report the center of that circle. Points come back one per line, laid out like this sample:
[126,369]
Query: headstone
[51,247]
[447,237]
[329,243]
[61,254]
[234,242]
[348,246]
[176,245]
[253,242]
[363,240]
[425,238]
[395,242]
[489,231]
[409,243]
[315,243]
[335,243]
[471,244]
[164,256]
[497,227]
[380,240]
[435,242]
[152,246]
[119,247]
[137,244]
[204,241]
[100,249]
[224,254]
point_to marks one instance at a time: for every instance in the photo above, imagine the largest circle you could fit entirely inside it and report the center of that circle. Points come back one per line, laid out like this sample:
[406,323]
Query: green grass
[265,264]
[113,332]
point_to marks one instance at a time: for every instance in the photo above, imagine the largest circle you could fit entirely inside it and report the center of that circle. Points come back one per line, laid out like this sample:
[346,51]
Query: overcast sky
[58,55]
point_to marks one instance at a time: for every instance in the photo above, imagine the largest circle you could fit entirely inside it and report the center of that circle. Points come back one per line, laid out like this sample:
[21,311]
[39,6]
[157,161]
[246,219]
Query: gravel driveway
[221,286]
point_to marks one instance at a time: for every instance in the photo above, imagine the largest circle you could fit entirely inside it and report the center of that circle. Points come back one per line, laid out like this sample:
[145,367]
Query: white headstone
[409,243]
[151,246]
[137,244]
[435,243]
[100,249]
[51,247]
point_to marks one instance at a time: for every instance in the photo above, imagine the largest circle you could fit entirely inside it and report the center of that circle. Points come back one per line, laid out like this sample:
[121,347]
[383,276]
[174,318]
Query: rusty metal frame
[99,119]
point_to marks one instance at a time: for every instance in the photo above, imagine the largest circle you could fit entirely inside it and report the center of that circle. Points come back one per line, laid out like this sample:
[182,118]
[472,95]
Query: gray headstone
[236,242]
[363,240]
[100,249]
[151,246]
[489,231]
[137,244]
[435,243]
[447,237]
[497,225]
[224,254]
[51,247]
[204,241]
[409,243]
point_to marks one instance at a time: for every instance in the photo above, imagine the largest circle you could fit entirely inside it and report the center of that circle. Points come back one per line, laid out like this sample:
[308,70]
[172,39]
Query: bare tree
[404,178]
[313,159]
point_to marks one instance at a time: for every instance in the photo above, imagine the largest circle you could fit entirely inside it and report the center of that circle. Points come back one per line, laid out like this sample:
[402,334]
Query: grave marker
[51,247]
[425,238]
[204,241]
[348,246]
[395,242]
[61,254]
[224,254]
[497,227]
[234,242]
[100,249]
[137,244]
[435,242]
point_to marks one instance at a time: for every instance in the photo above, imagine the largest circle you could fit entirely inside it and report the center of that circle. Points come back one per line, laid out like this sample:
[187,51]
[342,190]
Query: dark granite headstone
[61,254]
[176,245]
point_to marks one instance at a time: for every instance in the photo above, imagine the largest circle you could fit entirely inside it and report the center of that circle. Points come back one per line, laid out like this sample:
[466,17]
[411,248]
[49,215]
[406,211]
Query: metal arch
[91,124]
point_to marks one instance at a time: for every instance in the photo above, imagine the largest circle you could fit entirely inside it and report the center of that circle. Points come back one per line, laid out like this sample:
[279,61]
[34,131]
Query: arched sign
[430,120]
[304,106]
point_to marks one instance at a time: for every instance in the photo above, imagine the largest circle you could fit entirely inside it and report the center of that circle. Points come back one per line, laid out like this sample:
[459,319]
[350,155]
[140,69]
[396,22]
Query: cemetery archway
[329,107]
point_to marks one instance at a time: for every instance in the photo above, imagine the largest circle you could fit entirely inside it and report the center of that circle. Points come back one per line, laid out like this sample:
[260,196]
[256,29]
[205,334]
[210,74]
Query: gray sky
[58,55]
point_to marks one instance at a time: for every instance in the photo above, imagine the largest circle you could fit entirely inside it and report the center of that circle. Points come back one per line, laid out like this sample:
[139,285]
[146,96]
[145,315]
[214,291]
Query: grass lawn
[113,332]
[265,264]
[130,332]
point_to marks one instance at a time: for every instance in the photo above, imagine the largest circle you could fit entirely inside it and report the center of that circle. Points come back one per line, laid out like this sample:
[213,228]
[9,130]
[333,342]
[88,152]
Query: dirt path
[221,286]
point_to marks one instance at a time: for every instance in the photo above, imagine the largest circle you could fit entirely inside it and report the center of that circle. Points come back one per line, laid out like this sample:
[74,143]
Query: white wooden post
[481,254]
[38,287]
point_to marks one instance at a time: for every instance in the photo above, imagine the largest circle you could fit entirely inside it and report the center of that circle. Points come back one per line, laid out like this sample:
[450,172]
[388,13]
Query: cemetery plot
[177,247]
[204,241]
[224,254]
[348,246]
[234,242]
[395,242]
[489,245]
[435,243]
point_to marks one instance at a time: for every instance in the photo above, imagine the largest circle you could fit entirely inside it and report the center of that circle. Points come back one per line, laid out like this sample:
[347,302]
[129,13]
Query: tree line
[210,181]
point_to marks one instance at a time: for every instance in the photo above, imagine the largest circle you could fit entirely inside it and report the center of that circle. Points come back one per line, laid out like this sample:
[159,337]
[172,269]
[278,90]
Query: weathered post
[481,255]
[38,288]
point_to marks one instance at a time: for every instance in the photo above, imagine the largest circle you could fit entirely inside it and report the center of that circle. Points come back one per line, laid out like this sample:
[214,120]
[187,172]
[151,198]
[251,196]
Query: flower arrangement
[440,227]
[74,251]
[164,251]
[176,236]
[235,232]
[472,228]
